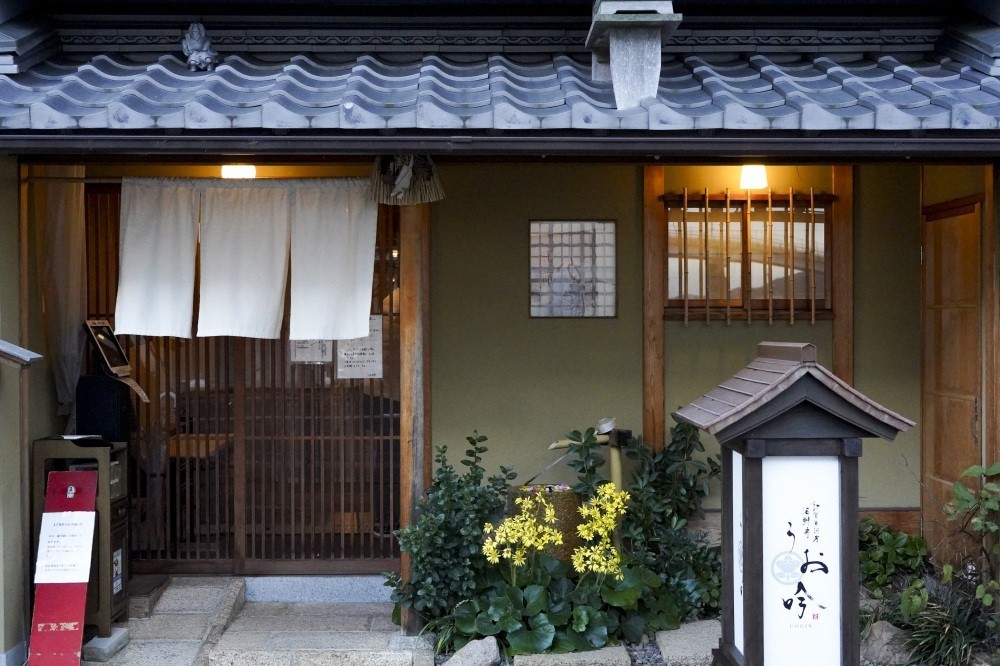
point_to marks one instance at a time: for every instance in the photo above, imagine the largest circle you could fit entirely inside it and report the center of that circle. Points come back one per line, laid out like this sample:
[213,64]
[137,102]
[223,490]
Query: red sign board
[62,568]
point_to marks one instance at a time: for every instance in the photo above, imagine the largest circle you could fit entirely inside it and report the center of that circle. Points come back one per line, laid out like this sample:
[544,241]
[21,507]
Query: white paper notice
[361,358]
[65,544]
[311,351]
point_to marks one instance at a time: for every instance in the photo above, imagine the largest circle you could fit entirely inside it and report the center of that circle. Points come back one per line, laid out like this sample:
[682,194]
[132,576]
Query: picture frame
[573,268]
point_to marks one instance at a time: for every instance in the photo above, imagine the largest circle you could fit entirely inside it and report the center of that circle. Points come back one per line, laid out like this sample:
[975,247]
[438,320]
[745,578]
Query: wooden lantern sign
[791,434]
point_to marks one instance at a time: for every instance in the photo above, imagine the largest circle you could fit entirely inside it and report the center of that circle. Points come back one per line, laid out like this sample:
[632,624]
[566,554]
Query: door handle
[974,421]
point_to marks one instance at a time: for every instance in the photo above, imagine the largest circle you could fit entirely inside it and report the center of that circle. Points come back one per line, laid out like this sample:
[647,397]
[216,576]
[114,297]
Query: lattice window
[733,257]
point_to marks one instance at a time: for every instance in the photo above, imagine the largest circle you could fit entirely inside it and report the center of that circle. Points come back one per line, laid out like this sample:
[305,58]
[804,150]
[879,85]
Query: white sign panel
[65,544]
[311,351]
[801,559]
[361,358]
[738,551]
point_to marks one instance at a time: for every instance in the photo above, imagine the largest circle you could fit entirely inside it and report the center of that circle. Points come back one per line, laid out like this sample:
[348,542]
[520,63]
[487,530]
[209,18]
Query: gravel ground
[645,654]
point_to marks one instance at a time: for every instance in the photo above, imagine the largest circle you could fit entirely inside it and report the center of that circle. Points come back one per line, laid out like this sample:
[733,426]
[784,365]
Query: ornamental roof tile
[499,92]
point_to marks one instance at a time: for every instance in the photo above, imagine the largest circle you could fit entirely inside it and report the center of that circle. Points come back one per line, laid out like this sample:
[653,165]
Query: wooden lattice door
[246,462]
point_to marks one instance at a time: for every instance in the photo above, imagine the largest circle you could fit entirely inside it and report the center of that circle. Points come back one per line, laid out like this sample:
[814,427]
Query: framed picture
[573,269]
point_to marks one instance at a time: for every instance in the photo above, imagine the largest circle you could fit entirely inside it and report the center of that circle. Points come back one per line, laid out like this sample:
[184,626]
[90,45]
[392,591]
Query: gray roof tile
[502,92]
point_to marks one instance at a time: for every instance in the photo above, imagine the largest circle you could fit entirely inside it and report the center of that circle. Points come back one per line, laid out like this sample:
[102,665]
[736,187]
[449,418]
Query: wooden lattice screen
[246,463]
[740,256]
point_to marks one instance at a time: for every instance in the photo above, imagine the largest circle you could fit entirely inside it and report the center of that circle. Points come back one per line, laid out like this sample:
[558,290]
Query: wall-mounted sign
[361,358]
[310,351]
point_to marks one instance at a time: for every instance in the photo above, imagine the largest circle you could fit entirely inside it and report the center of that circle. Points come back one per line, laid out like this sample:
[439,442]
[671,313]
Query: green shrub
[947,625]
[585,460]
[667,490]
[444,543]
[978,517]
[888,557]
[533,602]
[658,577]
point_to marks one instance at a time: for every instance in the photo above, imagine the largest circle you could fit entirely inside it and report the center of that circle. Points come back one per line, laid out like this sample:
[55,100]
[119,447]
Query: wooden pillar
[991,316]
[842,272]
[654,234]
[414,309]
[24,398]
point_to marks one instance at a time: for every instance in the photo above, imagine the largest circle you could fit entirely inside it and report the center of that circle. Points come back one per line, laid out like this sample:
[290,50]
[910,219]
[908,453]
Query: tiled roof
[499,92]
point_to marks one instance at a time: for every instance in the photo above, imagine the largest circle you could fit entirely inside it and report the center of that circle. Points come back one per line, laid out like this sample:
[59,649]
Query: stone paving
[190,615]
[315,634]
[206,621]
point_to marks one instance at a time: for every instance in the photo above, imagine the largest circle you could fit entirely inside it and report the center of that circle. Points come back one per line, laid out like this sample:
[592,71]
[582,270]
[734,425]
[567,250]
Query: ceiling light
[753,177]
[239,171]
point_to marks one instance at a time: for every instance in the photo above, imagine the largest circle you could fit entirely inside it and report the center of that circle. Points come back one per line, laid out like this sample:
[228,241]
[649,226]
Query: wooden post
[991,315]
[653,298]
[414,309]
[239,456]
[842,272]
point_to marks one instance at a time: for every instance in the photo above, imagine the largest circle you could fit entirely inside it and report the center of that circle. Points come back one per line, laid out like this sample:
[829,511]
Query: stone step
[318,648]
[691,644]
[143,593]
[614,655]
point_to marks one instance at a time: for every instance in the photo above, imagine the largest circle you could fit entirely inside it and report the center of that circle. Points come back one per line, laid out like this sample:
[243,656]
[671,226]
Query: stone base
[104,649]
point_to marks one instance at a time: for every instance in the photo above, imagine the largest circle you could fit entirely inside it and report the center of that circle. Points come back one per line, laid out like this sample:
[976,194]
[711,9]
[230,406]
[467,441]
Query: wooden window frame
[818,307]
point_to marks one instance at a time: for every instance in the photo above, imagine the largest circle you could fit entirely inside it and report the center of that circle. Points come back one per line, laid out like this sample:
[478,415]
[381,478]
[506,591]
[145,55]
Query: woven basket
[566,504]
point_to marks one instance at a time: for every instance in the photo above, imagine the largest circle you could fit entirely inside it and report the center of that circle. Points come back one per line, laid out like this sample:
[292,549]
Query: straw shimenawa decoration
[403,180]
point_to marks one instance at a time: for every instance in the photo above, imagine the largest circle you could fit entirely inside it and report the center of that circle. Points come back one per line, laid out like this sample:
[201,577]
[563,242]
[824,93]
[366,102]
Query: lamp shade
[753,177]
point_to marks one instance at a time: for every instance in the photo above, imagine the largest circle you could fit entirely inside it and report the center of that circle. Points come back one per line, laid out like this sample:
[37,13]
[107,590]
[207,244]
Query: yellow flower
[600,519]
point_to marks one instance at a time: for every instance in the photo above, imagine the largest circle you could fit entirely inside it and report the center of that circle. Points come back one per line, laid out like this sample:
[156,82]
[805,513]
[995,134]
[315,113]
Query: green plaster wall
[11,622]
[943,183]
[887,324]
[524,382]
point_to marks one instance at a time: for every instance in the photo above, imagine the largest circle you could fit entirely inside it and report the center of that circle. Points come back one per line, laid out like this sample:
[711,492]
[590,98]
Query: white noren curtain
[159,220]
[244,259]
[333,250]
[246,229]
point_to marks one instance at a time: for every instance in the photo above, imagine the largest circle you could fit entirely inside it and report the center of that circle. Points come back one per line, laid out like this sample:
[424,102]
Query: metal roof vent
[626,38]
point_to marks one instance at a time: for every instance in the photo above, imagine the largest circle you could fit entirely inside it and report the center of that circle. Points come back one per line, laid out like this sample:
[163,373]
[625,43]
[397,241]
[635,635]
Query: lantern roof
[785,385]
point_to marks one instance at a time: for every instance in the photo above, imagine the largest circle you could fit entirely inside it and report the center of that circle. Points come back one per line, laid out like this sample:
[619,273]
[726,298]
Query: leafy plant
[667,490]
[945,627]
[586,460]
[978,516]
[444,543]
[888,557]
[533,602]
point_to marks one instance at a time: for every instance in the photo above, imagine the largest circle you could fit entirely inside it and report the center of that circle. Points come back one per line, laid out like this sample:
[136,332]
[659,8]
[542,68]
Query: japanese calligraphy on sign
[802,577]
[361,358]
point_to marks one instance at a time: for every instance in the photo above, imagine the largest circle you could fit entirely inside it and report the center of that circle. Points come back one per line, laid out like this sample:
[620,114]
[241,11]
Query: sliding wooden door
[247,462]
